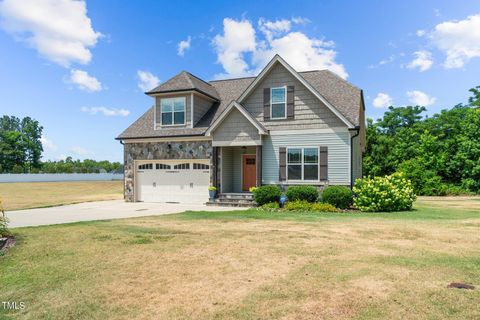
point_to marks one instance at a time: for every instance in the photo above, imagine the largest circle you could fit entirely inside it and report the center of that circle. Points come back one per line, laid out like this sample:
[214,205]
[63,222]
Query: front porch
[239,169]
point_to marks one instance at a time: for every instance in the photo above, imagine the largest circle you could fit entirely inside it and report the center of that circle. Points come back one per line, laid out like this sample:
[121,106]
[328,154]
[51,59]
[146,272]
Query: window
[182,166]
[146,166]
[278,101]
[173,111]
[200,166]
[302,164]
[161,166]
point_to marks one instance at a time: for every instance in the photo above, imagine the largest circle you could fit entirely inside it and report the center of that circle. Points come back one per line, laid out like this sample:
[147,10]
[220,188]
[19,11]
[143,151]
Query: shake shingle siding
[200,107]
[236,129]
[310,113]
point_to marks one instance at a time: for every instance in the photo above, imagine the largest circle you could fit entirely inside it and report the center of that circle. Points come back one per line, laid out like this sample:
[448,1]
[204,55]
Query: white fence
[46,177]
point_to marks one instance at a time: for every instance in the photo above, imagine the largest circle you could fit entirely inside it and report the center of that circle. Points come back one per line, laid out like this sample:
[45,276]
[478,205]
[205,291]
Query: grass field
[251,265]
[26,195]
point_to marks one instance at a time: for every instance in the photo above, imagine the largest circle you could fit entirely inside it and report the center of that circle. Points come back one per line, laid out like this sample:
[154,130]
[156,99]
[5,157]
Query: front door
[249,164]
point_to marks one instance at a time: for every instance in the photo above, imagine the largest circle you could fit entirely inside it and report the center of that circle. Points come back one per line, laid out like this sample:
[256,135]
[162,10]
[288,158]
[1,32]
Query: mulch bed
[6,243]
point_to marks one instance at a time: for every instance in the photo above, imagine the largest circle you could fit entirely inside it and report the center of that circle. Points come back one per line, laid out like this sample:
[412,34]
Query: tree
[20,143]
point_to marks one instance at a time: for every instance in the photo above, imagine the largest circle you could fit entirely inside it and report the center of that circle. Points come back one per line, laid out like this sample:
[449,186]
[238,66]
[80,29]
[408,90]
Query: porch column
[215,167]
[259,165]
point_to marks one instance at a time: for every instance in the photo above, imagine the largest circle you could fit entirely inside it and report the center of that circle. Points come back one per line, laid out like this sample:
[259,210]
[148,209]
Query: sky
[81,68]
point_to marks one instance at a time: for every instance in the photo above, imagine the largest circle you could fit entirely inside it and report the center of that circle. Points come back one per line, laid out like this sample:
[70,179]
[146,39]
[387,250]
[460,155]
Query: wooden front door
[249,165]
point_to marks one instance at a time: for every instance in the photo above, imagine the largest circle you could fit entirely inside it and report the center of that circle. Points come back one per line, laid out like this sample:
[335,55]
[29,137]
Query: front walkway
[99,210]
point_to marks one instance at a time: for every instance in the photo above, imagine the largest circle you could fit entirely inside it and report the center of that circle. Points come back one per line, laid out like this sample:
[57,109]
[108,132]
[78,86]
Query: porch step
[236,196]
[233,200]
[221,203]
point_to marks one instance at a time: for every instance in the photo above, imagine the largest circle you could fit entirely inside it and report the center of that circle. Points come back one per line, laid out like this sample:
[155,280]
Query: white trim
[302,164]
[280,60]
[155,116]
[236,143]
[173,112]
[308,131]
[180,93]
[191,110]
[172,139]
[226,112]
[284,101]
[221,170]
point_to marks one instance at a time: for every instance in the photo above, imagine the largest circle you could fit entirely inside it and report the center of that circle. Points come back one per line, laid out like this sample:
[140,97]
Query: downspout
[351,154]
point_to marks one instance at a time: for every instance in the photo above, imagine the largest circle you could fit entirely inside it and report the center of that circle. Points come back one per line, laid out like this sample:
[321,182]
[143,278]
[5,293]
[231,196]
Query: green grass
[251,265]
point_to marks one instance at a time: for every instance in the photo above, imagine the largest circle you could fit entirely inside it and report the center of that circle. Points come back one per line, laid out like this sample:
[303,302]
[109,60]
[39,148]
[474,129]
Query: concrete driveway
[99,210]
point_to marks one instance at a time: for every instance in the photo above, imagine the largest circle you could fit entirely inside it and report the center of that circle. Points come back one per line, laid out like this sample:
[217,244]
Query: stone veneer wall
[160,151]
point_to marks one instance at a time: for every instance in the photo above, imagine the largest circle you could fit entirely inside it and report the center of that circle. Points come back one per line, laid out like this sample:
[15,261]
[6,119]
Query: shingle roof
[344,96]
[186,81]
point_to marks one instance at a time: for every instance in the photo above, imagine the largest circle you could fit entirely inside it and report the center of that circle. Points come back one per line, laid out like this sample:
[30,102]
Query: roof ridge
[186,73]
[198,78]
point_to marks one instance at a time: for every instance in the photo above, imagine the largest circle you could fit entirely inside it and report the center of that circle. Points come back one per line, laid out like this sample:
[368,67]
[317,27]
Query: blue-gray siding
[338,143]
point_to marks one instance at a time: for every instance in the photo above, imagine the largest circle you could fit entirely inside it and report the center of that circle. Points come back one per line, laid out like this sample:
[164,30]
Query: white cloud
[60,31]
[48,144]
[459,40]
[382,62]
[108,112]
[238,38]
[79,151]
[420,98]
[423,60]
[84,81]
[301,20]
[146,80]
[299,50]
[420,33]
[183,46]
[382,100]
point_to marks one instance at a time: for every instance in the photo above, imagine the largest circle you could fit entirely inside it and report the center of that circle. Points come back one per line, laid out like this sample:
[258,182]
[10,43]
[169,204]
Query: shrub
[323,207]
[338,196]
[298,205]
[271,206]
[389,193]
[266,194]
[307,193]
[4,232]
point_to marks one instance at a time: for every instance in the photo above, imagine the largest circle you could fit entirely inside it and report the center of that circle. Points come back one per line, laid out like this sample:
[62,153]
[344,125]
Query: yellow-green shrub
[389,193]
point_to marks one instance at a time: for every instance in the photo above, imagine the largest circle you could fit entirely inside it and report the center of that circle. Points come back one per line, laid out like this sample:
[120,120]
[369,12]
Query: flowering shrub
[389,193]
[302,205]
[4,232]
[271,206]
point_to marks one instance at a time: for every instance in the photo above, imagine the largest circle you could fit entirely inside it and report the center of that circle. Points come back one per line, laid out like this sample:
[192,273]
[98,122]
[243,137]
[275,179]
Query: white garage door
[173,181]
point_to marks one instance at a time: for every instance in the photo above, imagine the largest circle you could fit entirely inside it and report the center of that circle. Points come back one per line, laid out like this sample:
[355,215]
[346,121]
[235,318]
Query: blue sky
[78,67]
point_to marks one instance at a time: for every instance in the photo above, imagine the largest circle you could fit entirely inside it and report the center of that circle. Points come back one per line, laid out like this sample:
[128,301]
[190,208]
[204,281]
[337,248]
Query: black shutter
[323,163]
[266,104]
[290,102]
[282,169]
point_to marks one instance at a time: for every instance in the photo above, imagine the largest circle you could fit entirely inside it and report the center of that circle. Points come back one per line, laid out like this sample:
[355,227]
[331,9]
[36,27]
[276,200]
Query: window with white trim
[278,103]
[200,166]
[303,164]
[162,166]
[173,111]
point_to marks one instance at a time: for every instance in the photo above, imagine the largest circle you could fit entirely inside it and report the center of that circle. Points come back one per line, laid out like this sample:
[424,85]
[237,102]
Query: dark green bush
[307,193]
[338,196]
[266,194]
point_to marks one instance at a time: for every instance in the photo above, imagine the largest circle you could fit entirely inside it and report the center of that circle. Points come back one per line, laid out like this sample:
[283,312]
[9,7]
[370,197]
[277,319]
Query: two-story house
[281,127]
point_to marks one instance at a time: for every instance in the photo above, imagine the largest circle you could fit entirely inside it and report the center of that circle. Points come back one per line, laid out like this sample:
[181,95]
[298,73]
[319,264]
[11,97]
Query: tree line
[21,151]
[439,154]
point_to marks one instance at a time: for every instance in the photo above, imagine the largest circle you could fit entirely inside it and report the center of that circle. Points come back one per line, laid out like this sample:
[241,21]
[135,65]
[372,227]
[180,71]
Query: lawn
[251,265]
[24,195]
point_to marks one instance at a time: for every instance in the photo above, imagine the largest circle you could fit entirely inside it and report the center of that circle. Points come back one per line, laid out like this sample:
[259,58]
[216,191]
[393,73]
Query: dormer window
[278,104]
[173,111]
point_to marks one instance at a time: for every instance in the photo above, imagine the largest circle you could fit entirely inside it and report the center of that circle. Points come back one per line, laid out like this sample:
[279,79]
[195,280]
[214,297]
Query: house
[281,127]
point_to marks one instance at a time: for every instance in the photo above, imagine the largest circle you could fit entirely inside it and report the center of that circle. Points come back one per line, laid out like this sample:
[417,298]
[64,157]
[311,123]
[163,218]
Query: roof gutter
[153,93]
[357,129]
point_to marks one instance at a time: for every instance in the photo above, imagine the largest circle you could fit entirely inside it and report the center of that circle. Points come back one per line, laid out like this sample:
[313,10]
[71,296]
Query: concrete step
[218,203]
[239,196]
